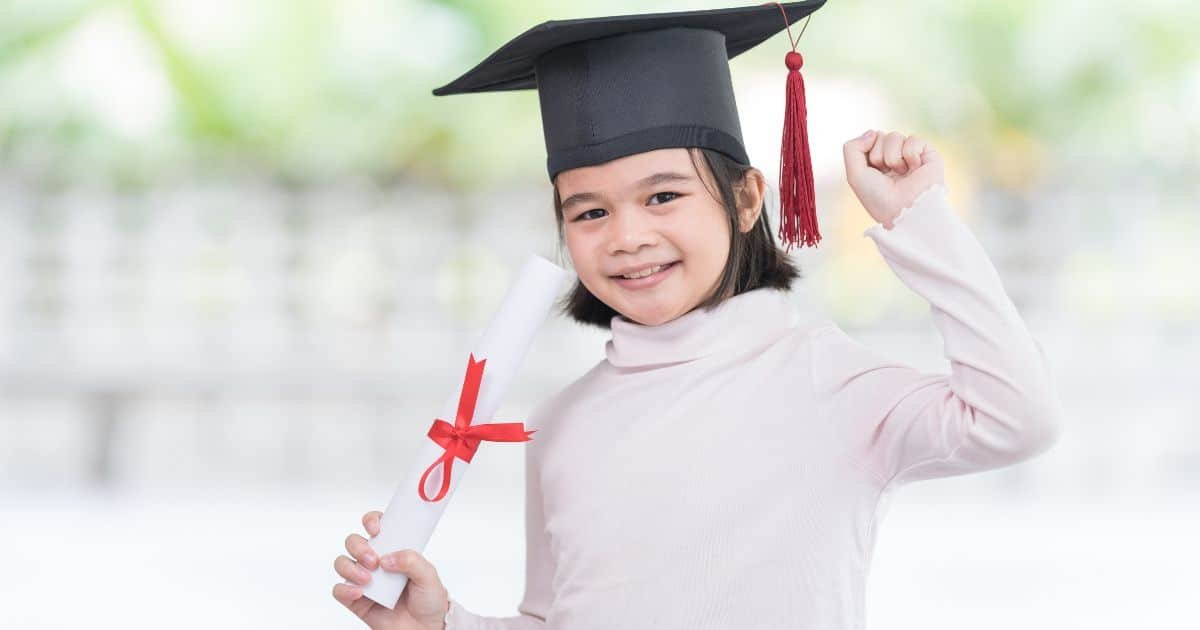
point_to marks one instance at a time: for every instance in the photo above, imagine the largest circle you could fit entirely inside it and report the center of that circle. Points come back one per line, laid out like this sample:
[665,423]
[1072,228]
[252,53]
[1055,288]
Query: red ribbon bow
[461,439]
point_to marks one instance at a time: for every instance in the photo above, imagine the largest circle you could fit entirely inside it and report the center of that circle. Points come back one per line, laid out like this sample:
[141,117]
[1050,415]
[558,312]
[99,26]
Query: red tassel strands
[797,197]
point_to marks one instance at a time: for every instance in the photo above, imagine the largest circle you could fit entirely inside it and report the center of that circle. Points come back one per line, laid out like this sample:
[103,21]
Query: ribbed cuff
[933,195]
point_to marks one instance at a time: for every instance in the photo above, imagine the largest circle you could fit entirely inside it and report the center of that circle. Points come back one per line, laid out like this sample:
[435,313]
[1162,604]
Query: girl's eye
[670,196]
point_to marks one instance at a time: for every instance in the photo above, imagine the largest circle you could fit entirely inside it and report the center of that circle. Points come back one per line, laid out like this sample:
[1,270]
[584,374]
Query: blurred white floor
[222,558]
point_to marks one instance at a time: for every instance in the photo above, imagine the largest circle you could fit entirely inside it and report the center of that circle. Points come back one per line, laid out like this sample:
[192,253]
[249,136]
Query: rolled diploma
[408,521]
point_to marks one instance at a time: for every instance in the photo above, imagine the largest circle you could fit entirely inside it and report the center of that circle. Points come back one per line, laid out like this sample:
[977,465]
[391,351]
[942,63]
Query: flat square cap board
[615,86]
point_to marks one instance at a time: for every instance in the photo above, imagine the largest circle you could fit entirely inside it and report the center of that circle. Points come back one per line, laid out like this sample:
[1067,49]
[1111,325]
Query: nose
[629,229]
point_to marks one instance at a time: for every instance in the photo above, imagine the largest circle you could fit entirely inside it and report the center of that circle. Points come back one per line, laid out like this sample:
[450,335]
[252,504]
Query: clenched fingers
[351,597]
[346,594]
[371,522]
[892,157]
[875,153]
[911,151]
[361,551]
[351,570]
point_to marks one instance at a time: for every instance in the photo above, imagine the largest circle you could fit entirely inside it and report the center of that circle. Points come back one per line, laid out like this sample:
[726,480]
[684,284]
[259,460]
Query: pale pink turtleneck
[729,469]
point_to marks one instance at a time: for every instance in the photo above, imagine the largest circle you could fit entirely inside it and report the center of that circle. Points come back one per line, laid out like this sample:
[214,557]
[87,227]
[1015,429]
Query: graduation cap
[615,86]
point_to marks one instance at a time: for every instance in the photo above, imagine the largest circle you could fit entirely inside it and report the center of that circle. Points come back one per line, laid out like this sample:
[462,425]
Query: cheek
[582,251]
[704,241]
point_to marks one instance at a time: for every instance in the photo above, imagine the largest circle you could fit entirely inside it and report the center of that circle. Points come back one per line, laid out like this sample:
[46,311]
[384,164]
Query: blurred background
[244,252]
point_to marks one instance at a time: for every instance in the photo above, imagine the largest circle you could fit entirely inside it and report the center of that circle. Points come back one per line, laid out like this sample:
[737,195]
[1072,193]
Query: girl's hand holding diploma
[887,172]
[423,603]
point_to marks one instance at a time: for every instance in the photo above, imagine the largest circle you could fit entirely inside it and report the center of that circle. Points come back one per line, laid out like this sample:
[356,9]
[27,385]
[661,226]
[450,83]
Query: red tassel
[797,198]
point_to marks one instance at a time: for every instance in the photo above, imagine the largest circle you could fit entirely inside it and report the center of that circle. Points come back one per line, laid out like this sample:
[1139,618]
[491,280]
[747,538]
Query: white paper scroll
[408,521]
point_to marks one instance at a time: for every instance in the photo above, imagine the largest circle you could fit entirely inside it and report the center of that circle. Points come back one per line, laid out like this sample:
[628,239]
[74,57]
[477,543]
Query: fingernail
[368,558]
[389,561]
[867,133]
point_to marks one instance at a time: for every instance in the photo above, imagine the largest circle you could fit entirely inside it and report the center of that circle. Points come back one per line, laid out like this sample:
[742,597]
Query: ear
[749,195]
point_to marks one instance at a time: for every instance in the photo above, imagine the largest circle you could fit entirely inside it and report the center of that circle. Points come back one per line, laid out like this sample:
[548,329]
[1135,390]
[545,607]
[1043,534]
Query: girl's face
[633,213]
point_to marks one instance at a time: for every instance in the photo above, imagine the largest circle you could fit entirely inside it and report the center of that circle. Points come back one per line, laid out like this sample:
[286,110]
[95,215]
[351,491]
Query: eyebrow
[645,182]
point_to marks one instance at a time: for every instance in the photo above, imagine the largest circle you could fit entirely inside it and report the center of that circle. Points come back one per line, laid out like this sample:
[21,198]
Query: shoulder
[837,357]
[548,411]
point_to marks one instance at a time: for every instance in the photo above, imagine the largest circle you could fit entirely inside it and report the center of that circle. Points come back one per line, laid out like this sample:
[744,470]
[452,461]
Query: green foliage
[306,89]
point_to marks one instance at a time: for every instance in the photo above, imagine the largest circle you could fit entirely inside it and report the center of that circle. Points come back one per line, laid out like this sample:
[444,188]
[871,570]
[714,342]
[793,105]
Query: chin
[648,316]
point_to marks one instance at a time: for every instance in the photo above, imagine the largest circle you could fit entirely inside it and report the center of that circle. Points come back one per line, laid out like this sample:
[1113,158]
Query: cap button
[793,60]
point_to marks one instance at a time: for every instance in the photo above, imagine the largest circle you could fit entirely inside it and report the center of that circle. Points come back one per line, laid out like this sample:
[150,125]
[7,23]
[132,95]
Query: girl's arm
[998,405]
[539,567]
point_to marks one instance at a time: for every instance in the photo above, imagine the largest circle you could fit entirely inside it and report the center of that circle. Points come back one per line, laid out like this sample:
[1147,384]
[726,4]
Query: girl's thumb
[410,563]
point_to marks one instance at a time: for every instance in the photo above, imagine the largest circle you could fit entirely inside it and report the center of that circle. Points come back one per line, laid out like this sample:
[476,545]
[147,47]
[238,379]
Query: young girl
[727,463]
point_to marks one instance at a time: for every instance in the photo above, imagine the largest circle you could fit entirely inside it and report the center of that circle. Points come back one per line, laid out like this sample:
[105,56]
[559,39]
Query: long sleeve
[539,566]
[998,406]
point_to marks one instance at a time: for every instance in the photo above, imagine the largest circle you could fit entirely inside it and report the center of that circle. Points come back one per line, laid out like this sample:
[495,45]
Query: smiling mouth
[659,269]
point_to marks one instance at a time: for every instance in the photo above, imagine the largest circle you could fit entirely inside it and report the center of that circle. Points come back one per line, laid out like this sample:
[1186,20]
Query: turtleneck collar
[747,320]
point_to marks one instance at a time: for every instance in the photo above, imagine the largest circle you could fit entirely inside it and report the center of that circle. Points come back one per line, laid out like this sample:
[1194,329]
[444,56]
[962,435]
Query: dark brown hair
[754,259]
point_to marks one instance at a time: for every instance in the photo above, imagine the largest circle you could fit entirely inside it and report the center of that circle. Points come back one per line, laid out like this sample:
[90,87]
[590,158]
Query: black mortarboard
[615,86]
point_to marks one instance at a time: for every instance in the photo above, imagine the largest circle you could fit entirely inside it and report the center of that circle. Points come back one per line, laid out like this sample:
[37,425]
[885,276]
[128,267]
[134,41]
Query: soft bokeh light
[244,251]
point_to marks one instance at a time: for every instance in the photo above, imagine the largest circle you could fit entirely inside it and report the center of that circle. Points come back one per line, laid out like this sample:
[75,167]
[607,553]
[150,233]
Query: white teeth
[645,273]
